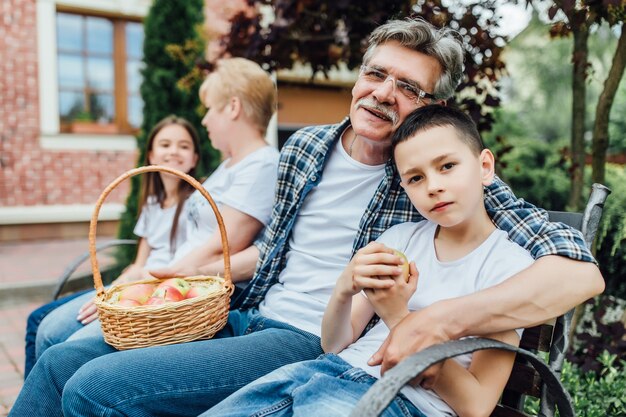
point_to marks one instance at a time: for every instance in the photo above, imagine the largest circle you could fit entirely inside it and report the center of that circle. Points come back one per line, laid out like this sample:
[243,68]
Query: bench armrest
[378,397]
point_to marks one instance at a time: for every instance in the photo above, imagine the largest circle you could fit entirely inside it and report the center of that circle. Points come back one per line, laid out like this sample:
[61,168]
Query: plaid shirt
[300,169]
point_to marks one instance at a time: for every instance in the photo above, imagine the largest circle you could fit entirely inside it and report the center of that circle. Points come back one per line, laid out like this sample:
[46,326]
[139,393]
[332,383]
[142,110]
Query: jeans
[61,323]
[87,377]
[325,387]
[32,326]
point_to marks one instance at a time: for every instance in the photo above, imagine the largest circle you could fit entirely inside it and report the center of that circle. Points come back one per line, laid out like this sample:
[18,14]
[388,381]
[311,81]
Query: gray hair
[417,34]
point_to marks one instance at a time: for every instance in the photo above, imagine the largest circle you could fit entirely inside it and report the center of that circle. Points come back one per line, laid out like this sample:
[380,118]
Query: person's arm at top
[548,288]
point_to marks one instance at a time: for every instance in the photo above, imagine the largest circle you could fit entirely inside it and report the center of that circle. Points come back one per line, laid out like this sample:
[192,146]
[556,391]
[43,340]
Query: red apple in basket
[137,292]
[180,284]
[168,293]
[155,301]
[128,303]
[198,291]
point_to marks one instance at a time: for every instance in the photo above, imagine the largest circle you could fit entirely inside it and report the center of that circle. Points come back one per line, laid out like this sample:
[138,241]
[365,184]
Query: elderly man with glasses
[337,191]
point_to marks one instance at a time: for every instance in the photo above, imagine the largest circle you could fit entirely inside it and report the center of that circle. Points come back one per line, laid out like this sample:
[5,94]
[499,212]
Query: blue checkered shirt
[300,169]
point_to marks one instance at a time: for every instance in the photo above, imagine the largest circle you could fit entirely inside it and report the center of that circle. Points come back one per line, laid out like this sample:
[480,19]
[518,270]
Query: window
[99,73]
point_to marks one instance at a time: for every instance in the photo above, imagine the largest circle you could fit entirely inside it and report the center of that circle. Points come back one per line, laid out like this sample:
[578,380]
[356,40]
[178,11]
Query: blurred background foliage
[531,130]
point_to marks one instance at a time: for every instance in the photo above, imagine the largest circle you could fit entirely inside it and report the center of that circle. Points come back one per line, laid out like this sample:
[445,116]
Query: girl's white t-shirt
[495,260]
[155,225]
[320,245]
[247,186]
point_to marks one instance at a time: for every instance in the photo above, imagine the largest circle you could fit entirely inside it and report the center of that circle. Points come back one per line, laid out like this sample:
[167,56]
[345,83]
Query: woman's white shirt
[247,186]
[155,225]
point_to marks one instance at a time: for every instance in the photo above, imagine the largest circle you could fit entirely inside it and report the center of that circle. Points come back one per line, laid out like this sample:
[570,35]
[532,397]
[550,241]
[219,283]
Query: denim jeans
[32,327]
[61,323]
[324,387]
[87,377]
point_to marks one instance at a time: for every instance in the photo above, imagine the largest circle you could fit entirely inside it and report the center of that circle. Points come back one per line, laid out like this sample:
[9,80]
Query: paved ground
[12,324]
[28,272]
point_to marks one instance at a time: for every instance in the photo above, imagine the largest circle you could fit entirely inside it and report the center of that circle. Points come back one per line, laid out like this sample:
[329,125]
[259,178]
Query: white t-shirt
[321,241]
[495,260]
[155,225]
[247,186]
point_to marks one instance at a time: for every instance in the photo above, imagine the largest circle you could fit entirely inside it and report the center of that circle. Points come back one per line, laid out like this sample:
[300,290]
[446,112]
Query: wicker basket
[183,321]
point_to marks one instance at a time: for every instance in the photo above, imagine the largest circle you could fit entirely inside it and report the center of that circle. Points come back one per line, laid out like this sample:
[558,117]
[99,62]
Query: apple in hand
[404,266]
[180,284]
[167,293]
[137,292]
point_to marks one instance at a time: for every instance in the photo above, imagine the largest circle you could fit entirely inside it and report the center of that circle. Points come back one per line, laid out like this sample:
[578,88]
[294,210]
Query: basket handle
[97,278]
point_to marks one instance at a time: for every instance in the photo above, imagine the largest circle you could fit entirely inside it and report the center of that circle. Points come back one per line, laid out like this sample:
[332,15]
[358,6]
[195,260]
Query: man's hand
[417,331]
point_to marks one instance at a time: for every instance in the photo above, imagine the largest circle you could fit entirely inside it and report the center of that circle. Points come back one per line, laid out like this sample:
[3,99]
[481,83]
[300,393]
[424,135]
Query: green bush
[599,330]
[593,396]
[535,170]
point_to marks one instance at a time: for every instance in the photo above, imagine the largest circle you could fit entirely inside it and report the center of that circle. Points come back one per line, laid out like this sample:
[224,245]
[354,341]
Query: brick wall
[30,175]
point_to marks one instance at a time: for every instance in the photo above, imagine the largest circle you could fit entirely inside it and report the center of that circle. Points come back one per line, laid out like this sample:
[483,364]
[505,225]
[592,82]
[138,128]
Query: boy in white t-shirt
[443,167]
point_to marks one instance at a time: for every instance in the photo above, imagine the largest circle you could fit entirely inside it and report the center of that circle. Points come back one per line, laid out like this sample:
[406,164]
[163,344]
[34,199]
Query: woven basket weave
[183,321]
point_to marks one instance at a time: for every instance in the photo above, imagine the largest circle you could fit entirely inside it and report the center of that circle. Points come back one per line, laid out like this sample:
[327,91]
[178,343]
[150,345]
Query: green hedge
[593,396]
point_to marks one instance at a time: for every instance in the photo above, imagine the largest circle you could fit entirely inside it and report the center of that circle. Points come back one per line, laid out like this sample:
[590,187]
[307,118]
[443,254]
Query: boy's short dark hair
[436,115]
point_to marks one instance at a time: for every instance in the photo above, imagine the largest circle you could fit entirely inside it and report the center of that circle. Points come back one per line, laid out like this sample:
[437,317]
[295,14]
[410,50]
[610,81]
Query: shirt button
[313,178]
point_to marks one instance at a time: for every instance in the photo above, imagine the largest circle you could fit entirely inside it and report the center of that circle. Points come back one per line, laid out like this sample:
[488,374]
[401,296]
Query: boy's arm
[347,312]
[344,320]
[475,391]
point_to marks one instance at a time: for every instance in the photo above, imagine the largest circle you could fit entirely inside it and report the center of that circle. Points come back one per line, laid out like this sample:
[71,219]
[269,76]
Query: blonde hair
[246,80]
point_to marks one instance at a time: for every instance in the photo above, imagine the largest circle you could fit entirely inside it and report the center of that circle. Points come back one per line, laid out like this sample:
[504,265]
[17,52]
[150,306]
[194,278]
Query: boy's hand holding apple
[374,266]
[391,304]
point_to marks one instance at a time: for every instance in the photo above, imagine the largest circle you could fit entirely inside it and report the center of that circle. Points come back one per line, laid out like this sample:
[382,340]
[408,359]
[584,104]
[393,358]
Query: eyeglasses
[409,89]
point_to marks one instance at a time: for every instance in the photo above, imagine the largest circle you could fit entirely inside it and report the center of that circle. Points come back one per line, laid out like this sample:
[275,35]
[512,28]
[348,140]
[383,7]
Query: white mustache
[373,104]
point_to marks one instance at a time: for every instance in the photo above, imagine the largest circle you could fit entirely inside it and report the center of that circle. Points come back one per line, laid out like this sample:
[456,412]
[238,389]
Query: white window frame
[50,136]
